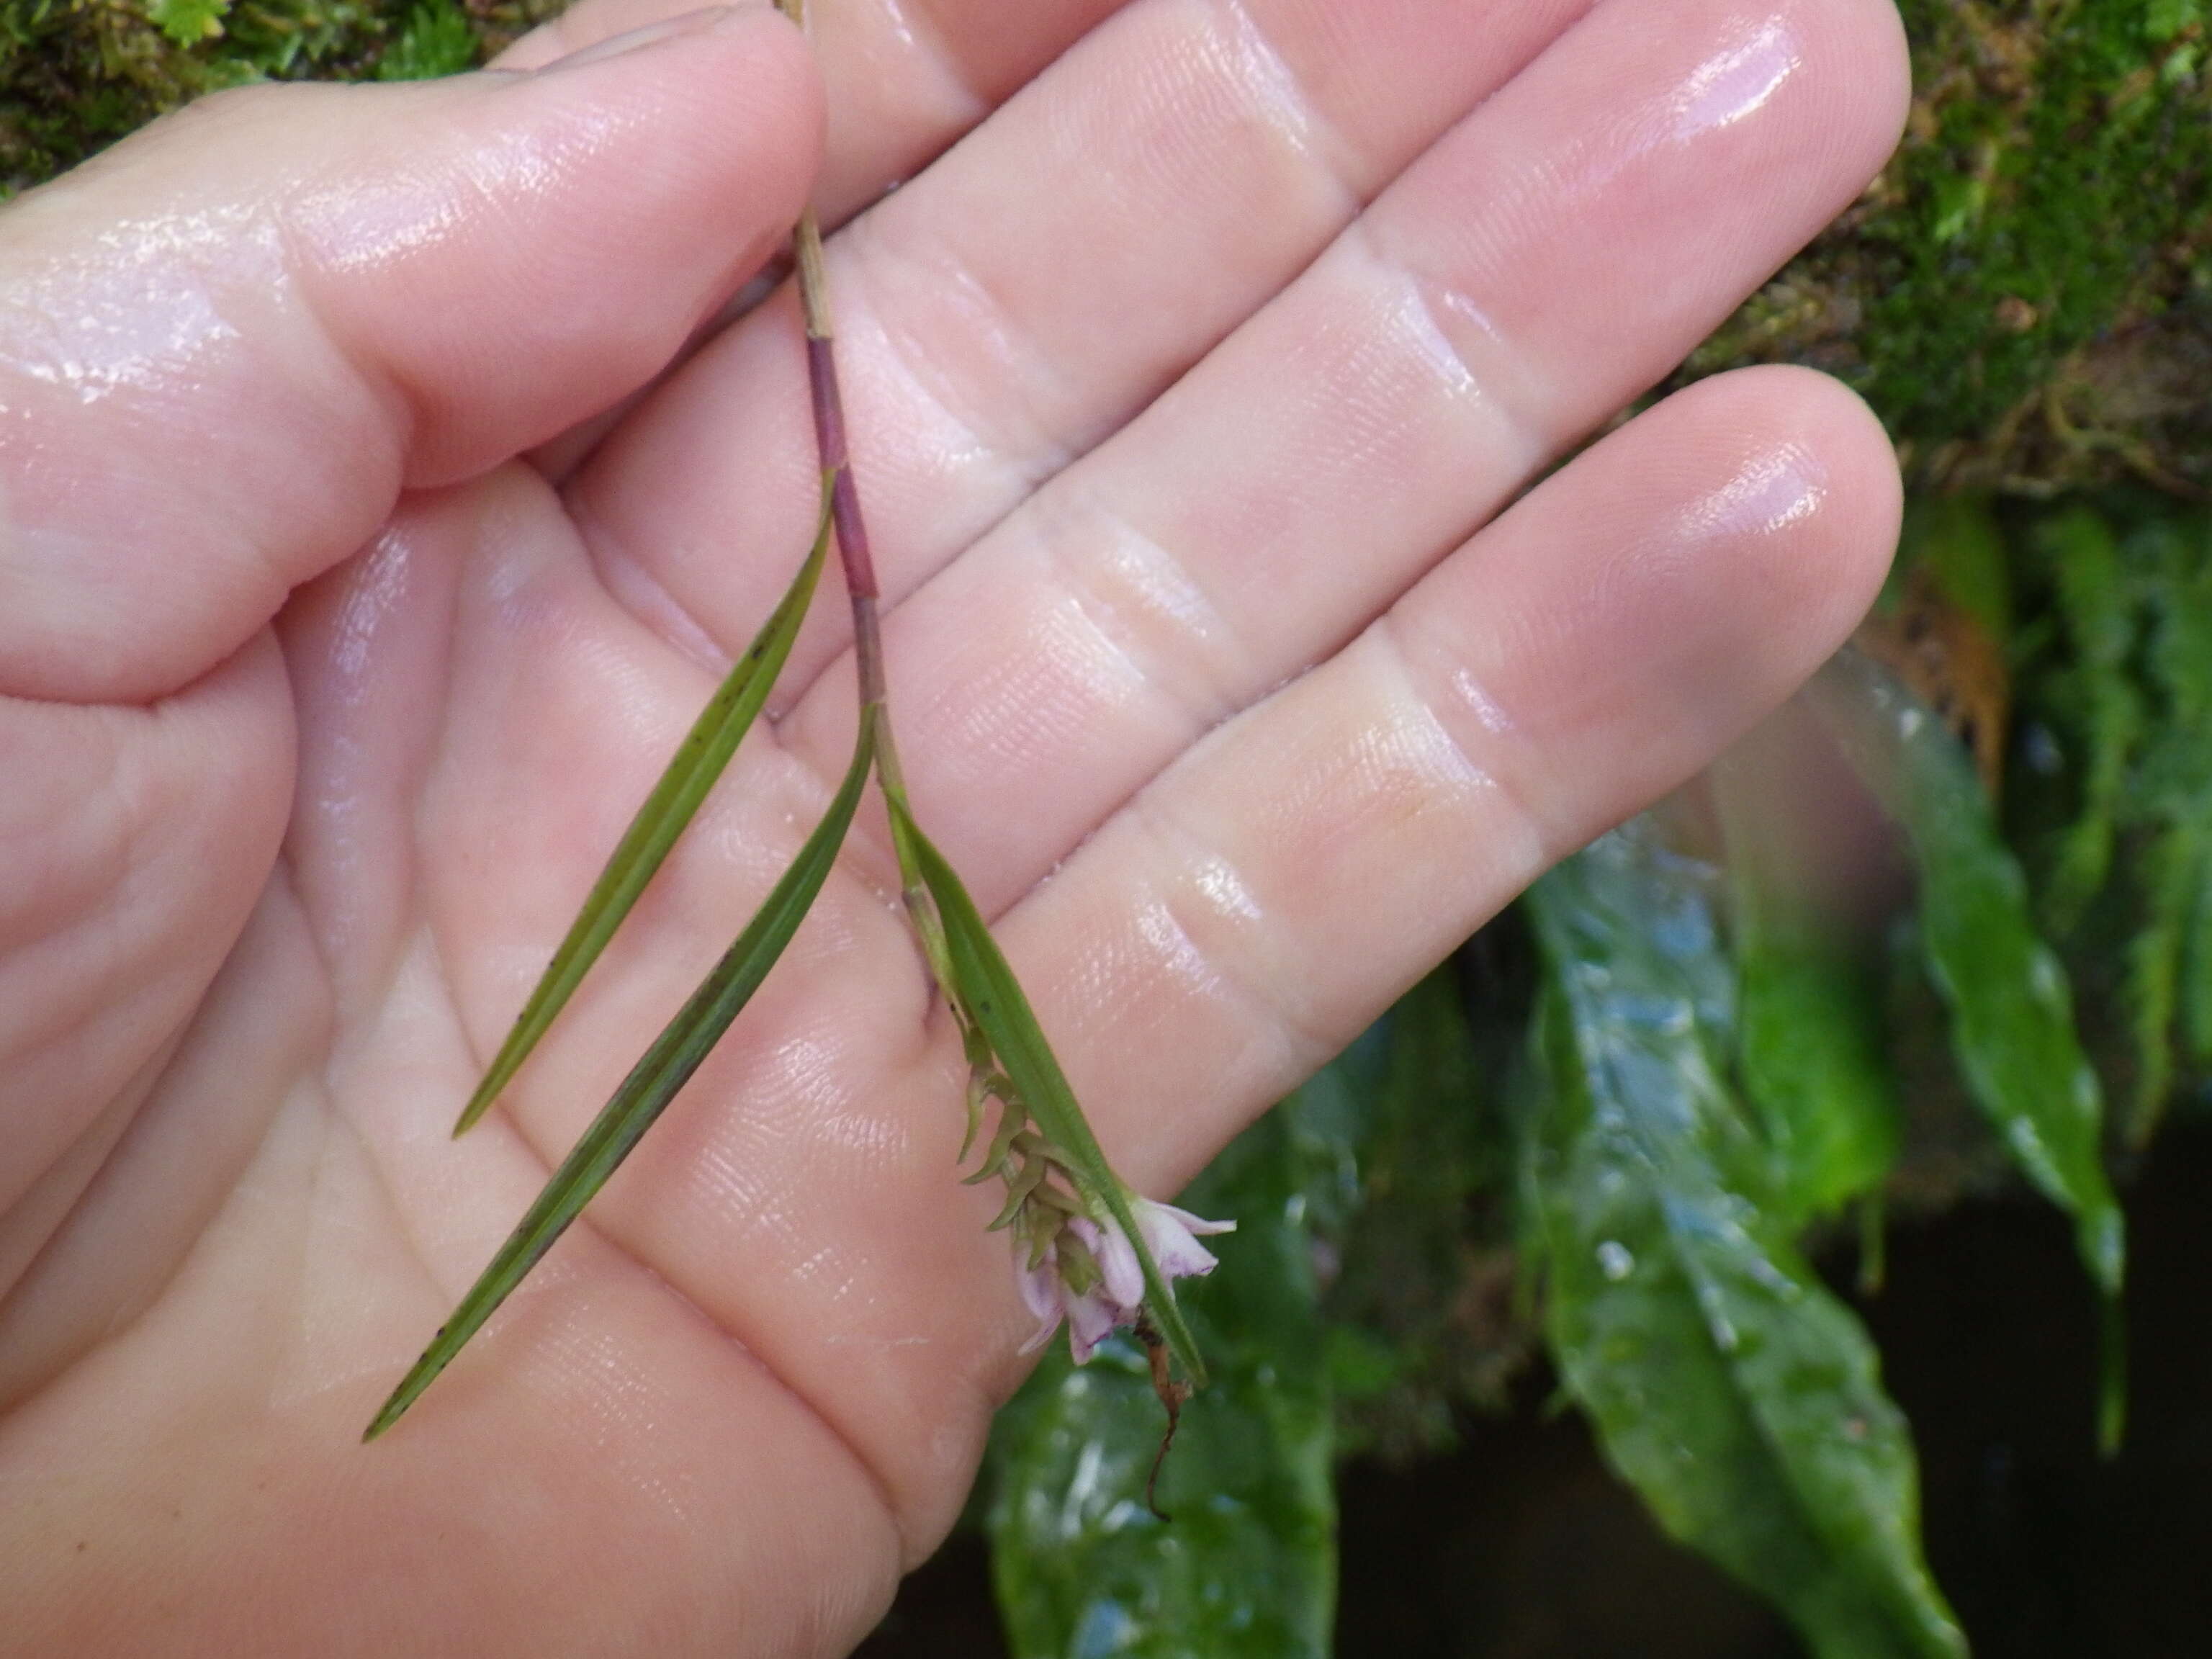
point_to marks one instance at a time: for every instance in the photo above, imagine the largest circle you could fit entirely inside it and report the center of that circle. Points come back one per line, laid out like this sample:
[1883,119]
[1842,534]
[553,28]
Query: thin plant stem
[953,937]
[996,1024]
[854,552]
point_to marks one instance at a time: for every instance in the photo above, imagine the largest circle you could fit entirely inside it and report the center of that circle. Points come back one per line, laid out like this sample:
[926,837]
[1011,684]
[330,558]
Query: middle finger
[1548,259]
[1035,287]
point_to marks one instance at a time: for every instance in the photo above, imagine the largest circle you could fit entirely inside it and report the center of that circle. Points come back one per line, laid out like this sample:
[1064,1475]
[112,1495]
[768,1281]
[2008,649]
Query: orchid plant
[1086,1248]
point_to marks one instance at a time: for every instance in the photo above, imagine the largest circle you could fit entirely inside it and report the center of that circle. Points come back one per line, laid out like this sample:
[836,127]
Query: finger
[120,895]
[229,343]
[902,88]
[1592,649]
[1039,285]
[1538,267]
[905,78]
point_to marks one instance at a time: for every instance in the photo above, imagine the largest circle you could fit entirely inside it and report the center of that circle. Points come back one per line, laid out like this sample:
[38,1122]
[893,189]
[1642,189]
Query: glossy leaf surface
[699,760]
[676,1053]
[1808,1016]
[2011,1016]
[1739,1398]
[2098,610]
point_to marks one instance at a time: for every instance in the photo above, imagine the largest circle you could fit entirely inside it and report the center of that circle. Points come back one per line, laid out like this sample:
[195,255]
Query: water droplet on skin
[1615,1260]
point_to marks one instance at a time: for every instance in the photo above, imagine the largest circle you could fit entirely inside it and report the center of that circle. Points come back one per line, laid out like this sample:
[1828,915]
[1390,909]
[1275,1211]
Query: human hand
[341,629]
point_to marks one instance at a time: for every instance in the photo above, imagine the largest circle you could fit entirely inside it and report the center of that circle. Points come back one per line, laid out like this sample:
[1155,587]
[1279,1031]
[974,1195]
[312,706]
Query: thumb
[226,345]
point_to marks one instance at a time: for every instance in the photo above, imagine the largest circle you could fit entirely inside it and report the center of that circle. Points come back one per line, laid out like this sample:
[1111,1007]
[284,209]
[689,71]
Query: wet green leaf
[2121,692]
[1247,1563]
[1957,538]
[1808,1022]
[652,1083]
[2174,877]
[1728,1386]
[2170,961]
[699,760]
[1419,1313]
[2099,610]
[1810,1031]
[993,998]
[2011,1016]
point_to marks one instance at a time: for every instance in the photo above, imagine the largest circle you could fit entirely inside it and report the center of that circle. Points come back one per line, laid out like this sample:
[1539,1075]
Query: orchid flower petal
[1123,1274]
[1184,1218]
[1040,1289]
[1090,1320]
[1167,1234]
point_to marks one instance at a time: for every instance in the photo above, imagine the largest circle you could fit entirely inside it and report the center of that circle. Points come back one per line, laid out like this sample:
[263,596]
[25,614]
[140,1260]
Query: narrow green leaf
[1729,1386]
[699,760]
[2011,1015]
[1957,538]
[2172,875]
[2170,960]
[994,997]
[1248,1566]
[2099,608]
[1813,1063]
[652,1083]
[1808,1019]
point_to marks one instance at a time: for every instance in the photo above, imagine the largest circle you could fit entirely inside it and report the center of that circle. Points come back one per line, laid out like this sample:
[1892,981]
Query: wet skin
[379,505]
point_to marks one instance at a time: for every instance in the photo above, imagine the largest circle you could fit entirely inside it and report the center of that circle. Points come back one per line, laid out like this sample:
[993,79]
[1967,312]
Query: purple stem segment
[844,496]
[845,513]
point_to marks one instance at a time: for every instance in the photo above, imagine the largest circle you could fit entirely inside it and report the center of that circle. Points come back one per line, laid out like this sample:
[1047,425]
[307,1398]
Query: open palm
[352,593]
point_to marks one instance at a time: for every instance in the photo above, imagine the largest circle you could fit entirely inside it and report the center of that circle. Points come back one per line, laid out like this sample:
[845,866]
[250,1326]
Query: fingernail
[615,45]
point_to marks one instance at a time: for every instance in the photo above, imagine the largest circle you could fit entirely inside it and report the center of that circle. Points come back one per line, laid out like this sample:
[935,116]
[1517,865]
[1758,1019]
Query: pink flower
[1103,1264]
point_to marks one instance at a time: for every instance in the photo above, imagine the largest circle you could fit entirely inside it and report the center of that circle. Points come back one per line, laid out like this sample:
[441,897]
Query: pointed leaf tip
[665,1068]
[699,762]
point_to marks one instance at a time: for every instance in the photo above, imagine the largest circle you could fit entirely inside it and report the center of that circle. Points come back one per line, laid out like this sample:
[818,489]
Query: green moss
[76,75]
[437,40]
[2026,294]
[2053,189]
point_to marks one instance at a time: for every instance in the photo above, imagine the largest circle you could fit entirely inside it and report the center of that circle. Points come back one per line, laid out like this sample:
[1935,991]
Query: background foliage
[1898,949]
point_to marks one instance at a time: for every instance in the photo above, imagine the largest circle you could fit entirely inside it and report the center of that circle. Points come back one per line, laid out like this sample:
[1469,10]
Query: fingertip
[1880,58]
[1642,607]
[1806,494]
[590,24]
[1859,87]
